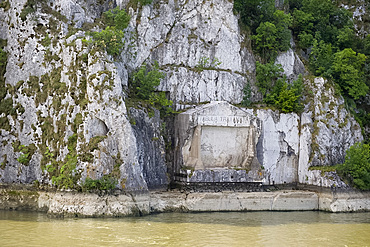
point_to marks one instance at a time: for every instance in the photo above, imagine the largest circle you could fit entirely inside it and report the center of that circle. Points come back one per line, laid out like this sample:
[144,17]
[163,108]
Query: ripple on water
[200,229]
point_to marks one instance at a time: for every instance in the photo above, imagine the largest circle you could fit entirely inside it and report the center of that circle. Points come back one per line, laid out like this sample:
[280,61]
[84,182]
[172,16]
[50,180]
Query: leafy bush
[116,18]
[267,75]
[321,57]
[254,12]
[24,157]
[144,88]
[66,175]
[286,99]
[276,91]
[160,101]
[270,27]
[282,22]
[247,91]
[348,72]
[66,178]
[266,40]
[356,168]
[111,37]
[323,17]
[104,183]
[145,82]
[273,36]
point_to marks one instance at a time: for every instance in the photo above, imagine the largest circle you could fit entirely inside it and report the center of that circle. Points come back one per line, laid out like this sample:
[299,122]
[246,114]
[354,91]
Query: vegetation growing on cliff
[275,89]
[110,38]
[64,174]
[327,34]
[356,168]
[143,88]
[106,182]
[322,30]
[6,104]
[268,25]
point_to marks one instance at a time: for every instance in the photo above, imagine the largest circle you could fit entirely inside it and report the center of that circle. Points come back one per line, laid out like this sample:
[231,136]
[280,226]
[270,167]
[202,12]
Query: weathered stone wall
[70,204]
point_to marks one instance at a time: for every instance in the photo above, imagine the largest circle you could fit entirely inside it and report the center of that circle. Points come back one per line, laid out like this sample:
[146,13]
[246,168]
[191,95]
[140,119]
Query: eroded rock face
[327,131]
[150,148]
[198,45]
[68,98]
[61,88]
[291,64]
[278,148]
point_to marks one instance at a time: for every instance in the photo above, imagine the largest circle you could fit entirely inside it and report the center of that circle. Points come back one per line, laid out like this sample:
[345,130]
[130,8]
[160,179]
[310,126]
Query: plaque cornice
[227,121]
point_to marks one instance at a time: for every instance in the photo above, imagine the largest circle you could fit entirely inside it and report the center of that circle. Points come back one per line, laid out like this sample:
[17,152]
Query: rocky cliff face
[68,101]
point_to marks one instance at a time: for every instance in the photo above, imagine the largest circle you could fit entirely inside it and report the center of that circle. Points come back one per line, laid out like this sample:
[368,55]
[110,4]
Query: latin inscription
[236,121]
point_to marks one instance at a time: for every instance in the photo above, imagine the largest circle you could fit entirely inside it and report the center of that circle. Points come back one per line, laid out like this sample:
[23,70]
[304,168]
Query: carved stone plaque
[218,135]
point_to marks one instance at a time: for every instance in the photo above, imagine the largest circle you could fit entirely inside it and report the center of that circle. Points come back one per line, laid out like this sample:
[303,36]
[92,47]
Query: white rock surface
[291,64]
[177,34]
[327,131]
[69,204]
[278,147]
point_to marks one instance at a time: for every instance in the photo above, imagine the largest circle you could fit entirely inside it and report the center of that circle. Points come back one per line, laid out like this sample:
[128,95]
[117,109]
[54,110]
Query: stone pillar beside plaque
[217,142]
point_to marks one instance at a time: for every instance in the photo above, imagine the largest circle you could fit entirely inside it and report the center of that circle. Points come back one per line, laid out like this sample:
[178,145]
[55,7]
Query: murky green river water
[202,229]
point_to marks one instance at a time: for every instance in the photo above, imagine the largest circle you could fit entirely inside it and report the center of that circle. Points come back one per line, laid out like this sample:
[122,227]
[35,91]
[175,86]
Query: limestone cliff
[69,116]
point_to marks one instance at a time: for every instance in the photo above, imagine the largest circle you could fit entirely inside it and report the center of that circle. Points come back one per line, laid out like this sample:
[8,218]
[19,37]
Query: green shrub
[145,82]
[321,57]
[66,178]
[356,168]
[66,175]
[282,22]
[276,91]
[272,37]
[23,158]
[26,152]
[267,75]
[247,93]
[348,72]
[160,101]
[104,183]
[111,37]
[116,18]
[143,89]
[266,41]
[286,99]
[254,12]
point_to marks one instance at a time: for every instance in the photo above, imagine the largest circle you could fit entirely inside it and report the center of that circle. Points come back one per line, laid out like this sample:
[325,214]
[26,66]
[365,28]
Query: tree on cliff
[356,167]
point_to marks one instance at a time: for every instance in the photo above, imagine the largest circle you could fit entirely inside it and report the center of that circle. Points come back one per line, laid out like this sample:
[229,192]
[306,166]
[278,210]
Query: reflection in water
[200,229]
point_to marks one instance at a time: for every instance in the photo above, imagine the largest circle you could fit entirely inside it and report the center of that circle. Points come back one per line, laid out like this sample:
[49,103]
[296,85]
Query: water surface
[200,229]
